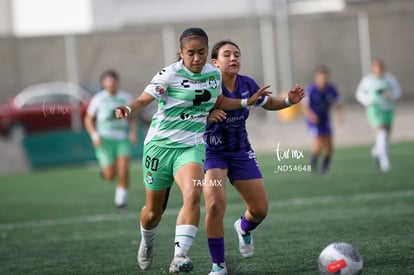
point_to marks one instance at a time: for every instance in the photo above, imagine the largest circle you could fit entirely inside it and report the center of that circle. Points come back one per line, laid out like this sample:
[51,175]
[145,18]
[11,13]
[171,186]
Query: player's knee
[109,174]
[151,216]
[192,199]
[216,208]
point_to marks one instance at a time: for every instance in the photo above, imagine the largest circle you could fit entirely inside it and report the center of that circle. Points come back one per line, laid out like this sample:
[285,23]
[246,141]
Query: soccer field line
[232,206]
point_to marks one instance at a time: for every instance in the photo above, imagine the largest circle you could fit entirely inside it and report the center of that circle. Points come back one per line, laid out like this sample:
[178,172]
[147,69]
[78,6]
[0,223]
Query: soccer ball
[340,259]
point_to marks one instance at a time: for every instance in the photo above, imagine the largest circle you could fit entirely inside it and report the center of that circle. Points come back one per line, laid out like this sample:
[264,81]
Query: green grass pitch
[62,221]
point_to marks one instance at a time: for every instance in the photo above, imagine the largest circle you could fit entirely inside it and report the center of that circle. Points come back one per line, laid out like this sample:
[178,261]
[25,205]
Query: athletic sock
[184,236]
[148,236]
[247,226]
[121,195]
[314,163]
[325,164]
[382,149]
[216,247]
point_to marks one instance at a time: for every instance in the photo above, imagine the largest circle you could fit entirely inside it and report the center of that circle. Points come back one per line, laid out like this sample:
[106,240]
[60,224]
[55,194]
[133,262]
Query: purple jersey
[230,135]
[321,102]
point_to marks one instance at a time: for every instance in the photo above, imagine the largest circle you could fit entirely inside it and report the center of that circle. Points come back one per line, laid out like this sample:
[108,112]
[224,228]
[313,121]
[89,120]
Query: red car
[44,107]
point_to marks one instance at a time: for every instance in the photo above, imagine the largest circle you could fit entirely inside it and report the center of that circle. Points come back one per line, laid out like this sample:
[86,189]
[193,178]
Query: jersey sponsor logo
[208,83]
[197,109]
[234,119]
[185,116]
[245,93]
[185,83]
[201,96]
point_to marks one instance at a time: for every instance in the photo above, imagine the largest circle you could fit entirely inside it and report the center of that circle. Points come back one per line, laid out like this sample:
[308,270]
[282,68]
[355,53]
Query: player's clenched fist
[122,112]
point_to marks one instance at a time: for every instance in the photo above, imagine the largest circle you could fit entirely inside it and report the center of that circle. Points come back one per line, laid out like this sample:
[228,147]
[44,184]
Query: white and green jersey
[378,93]
[102,107]
[184,101]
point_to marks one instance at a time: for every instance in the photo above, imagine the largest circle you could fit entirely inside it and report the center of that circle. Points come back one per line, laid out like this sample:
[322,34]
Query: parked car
[44,107]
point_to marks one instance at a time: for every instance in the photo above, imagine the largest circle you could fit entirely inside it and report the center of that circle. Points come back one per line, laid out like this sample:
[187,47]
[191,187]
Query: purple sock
[314,162]
[216,247]
[325,164]
[246,225]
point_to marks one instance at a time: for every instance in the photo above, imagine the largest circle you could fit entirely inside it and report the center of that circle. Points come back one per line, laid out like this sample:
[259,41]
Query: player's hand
[97,142]
[216,116]
[256,96]
[296,94]
[121,112]
[133,137]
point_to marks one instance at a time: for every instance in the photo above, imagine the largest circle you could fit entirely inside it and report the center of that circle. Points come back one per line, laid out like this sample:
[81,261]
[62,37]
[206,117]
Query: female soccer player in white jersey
[111,138]
[377,91]
[229,154]
[174,149]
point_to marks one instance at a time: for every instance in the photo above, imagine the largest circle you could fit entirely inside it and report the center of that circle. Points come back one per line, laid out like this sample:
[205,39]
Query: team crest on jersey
[212,82]
[160,90]
[149,178]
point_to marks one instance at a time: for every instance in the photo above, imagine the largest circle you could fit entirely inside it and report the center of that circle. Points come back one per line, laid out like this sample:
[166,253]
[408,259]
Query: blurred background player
[174,149]
[377,91]
[112,137]
[229,154]
[321,96]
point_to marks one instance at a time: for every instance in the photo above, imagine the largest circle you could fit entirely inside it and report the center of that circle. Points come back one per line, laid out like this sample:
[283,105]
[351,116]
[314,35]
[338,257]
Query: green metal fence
[67,147]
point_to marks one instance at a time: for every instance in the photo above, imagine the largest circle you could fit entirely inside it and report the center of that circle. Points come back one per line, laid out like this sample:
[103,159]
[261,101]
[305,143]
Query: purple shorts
[317,130]
[241,165]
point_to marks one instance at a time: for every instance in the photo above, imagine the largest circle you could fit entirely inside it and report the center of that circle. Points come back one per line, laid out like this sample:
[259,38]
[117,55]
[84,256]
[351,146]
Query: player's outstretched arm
[138,104]
[228,104]
[339,112]
[309,114]
[295,95]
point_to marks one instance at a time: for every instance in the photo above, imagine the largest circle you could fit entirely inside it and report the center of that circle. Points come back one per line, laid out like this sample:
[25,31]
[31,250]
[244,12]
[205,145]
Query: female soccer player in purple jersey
[173,150]
[320,98]
[229,154]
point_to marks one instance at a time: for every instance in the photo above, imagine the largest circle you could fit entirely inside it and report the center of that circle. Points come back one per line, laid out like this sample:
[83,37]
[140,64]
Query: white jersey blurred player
[377,91]
[110,136]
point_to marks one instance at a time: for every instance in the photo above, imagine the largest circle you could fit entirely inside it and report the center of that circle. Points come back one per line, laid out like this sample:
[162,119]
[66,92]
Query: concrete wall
[332,40]
[5,17]
[137,51]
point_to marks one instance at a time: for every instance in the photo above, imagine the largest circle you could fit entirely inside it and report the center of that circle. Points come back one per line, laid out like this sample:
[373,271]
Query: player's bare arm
[89,122]
[138,104]
[228,104]
[310,114]
[339,112]
[295,95]
[133,129]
